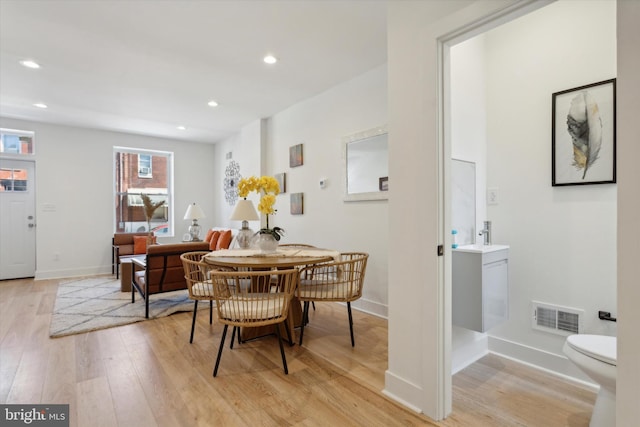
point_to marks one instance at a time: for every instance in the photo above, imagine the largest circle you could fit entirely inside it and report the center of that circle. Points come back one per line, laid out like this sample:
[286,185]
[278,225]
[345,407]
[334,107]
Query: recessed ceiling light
[212,103]
[30,64]
[181,128]
[270,59]
[40,105]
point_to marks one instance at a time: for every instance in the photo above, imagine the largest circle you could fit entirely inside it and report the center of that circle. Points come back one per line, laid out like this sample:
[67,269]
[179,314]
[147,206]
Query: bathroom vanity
[480,286]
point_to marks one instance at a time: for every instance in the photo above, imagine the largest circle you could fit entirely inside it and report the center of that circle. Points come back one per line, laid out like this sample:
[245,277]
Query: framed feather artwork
[583,147]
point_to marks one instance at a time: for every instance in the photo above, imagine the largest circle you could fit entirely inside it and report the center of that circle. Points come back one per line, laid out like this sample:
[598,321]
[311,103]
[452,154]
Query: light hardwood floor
[147,374]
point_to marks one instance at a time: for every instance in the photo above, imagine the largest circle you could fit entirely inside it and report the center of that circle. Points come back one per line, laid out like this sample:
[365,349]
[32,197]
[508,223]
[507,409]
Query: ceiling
[149,66]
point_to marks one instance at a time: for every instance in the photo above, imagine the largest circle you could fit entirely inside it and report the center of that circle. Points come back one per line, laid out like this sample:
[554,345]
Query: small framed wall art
[295,156]
[383,183]
[297,203]
[583,147]
[282,181]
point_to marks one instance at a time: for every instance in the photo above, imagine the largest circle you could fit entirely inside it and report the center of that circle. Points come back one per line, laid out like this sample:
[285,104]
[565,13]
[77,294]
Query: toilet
[595,355]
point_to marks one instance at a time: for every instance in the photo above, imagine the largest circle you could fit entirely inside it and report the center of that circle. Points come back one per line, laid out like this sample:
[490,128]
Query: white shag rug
[89,304]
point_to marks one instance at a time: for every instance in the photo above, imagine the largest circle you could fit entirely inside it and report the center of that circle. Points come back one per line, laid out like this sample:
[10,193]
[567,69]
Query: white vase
[266,243]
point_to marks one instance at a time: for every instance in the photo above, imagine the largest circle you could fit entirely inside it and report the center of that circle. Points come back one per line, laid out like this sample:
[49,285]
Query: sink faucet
[486,232]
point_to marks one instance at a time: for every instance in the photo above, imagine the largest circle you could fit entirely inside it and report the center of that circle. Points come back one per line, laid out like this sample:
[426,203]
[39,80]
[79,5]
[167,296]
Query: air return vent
[556,319]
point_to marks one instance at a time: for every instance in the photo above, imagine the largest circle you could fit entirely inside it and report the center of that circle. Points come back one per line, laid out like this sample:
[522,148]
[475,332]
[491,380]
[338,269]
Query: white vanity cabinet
[480,293]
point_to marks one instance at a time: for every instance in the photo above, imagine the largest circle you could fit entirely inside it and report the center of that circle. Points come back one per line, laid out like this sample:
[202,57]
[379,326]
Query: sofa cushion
[140,244]
[213,243]
[224,240]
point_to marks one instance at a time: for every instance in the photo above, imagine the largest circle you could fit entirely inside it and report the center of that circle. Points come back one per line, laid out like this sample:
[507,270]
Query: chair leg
[305,318]
[233,337]
[286,328]
[193,322]
[224,335]
[210,312]
[313,304]
[353,343]
[284,359]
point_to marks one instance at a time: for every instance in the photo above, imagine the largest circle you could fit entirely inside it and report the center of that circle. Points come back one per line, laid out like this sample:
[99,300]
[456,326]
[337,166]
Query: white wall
[319,123]
[469,114]
[74,172]
[544,225]
[246,150]
[562,239]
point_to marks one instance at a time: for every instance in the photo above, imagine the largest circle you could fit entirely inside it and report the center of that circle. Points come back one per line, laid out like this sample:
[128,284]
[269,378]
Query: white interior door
[17,219]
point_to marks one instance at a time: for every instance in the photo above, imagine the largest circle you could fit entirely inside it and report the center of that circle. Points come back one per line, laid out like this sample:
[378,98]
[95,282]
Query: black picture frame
[583,135]
[383,183]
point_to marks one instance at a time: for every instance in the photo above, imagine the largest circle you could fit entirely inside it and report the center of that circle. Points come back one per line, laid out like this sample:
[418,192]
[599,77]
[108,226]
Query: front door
[17,219]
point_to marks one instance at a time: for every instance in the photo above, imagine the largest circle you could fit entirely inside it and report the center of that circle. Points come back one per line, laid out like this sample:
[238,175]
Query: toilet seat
[599,347]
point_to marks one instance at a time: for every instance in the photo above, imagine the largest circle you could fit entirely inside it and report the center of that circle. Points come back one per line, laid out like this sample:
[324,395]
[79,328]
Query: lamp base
[244,238]
[194,231]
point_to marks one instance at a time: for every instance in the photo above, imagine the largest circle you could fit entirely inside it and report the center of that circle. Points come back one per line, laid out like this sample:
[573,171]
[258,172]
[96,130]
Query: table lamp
[194,213]
[245,212]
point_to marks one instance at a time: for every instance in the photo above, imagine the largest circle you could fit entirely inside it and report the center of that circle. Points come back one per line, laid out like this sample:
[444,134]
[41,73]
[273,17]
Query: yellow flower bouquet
[269,188]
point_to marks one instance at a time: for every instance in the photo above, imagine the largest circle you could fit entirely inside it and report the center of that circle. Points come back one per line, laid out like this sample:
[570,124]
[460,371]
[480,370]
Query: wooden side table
[125,272]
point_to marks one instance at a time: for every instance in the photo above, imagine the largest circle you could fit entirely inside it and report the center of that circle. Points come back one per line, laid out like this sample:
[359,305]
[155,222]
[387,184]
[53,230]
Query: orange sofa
[122,246]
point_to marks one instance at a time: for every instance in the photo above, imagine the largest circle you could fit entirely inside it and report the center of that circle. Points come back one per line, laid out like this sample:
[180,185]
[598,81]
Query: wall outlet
[492,196]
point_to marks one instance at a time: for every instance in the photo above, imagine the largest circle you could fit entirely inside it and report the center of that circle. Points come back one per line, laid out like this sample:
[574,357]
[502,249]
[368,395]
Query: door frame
[444,44]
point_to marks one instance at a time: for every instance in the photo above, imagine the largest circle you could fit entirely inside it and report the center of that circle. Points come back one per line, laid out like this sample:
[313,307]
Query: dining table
[282,258]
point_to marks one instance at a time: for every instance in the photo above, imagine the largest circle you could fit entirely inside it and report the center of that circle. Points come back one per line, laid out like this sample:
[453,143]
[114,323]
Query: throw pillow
[214,240]
[139,245]
[208,236]
[224,240]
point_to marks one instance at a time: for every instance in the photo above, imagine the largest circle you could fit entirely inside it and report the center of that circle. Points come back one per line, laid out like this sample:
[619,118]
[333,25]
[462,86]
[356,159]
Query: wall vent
[556,319]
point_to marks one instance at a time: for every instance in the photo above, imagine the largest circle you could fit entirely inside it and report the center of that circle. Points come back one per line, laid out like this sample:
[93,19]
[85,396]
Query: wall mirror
[366,165]
[463,200]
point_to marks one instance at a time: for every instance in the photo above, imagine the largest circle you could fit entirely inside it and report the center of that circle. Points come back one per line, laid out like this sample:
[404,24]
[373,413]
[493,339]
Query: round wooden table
[264,262]
[261,262]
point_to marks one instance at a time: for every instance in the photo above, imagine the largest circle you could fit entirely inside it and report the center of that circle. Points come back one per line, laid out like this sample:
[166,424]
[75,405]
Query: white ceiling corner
[147,66]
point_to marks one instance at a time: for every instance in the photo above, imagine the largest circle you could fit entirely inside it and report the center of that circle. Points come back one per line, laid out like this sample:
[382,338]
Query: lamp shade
[244,211]
[194,212]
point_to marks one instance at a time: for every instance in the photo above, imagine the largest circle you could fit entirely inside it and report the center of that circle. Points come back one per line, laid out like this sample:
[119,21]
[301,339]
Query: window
[143,172]
[13,180]
[16,141]
[145,166]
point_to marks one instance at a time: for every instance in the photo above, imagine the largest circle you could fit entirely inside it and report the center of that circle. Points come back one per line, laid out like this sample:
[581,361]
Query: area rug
[89,304]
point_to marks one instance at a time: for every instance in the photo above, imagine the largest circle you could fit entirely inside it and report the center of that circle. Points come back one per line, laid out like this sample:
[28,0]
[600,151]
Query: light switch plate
[492,196]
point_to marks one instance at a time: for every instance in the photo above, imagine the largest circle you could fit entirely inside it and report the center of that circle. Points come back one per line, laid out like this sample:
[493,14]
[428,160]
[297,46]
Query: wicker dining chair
[336,281]
[248,299]
[198,284]
[299,246]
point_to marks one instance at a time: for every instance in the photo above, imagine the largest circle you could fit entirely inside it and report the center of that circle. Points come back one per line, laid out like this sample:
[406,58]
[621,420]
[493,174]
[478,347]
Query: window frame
[119,224]
[19,133]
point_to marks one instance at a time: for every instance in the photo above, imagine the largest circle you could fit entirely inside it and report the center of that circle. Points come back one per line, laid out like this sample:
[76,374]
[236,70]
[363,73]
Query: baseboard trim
[370,307]
[405,392]
[73,272]
[551,363]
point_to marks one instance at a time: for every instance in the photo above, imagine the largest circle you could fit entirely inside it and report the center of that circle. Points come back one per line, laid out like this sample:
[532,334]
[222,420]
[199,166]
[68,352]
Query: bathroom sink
[480,248]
